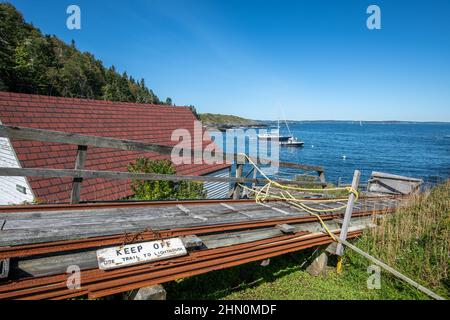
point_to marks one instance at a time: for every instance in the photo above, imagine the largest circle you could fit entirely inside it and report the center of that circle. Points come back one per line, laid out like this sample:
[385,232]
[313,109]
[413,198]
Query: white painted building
[13,190]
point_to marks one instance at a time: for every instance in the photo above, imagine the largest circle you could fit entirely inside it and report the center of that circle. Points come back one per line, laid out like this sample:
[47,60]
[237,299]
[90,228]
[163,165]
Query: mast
[289,129]
[285,121]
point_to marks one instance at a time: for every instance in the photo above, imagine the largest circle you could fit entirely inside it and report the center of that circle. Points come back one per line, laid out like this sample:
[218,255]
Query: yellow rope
[264,193]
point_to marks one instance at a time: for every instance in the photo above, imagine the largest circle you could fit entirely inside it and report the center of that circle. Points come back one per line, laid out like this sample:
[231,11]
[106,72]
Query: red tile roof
[132,121]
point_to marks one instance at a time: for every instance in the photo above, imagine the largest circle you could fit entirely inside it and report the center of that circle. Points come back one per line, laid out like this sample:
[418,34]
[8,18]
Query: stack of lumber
[41,243]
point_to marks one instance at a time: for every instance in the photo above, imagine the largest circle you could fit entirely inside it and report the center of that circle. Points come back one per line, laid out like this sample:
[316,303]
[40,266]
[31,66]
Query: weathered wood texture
[46,226]
[103,142]
[393,184]
[56,264]
[94,174]
[4,268]
[237,188]
[130,145]
[348,213]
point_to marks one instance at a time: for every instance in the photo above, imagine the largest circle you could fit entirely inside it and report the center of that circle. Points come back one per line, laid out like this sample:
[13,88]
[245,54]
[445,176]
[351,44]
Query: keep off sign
[116,257]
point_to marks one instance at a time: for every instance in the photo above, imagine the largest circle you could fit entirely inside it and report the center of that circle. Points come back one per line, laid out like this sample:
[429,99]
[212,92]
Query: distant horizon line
[364,121]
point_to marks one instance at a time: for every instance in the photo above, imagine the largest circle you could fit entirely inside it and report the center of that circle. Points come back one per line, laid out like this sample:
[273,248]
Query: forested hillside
[31,62]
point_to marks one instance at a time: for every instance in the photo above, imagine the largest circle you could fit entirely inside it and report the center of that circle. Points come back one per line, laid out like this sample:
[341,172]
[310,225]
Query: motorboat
[292,142]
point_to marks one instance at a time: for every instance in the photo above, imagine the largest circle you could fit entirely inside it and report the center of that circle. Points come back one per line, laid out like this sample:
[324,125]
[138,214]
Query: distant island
[224,122]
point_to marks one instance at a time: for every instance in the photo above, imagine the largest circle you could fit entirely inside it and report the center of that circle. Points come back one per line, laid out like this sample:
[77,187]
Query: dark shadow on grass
[218,284]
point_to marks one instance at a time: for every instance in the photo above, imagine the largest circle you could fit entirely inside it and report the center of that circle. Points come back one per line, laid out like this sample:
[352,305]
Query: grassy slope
[221,119]
[415,241]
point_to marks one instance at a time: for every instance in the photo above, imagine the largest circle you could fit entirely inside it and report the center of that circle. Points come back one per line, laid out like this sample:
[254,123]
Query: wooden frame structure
[85,141]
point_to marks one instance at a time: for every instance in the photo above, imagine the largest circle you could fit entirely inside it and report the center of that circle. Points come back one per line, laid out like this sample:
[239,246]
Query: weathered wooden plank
[93,220]
[248,215]
[321,175]
[237,187]
[4,268]
[192,241]
[157,211]
[12,237]
[87,260]
[22,228]
[58,263]
[393,184]
[118,175]
[286,228]
[175,218]
[284,212]
[17,237]
[191,214]
[348,213]
[79,139]
[43,224]
[130,145]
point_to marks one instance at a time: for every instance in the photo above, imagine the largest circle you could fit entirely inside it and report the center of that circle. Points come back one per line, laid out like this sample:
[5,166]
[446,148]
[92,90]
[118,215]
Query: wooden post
[4,268]
[255,174]
[237,188]
[322,177]
[348,213]
[76,184]
[155,292]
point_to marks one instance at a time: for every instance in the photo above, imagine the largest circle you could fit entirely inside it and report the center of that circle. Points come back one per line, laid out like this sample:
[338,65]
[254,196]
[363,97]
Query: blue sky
[311,59]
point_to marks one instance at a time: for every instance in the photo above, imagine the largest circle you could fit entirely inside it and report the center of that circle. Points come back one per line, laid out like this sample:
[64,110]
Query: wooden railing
[85,141]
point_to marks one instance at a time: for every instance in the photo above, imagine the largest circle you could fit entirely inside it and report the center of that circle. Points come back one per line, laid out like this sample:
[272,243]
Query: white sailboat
[284,140]
[274,134]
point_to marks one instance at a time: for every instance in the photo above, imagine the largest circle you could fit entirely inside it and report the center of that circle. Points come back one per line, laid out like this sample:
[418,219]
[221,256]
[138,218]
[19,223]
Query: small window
[21,189]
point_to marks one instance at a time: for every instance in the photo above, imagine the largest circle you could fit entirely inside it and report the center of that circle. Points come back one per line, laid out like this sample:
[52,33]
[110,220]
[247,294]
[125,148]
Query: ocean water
[417,150]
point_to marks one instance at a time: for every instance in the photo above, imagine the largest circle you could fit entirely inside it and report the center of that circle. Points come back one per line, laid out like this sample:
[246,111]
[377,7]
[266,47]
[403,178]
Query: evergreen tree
[33,63]
[194,111]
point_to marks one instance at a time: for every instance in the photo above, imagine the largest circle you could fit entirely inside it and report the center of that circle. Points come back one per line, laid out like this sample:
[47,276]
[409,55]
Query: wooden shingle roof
[132,121]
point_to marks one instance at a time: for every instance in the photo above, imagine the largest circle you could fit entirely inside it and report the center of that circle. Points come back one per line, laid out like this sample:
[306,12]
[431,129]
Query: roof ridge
[44,98]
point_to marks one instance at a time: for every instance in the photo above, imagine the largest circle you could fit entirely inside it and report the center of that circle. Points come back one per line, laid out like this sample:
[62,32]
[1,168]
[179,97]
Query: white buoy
[344,157]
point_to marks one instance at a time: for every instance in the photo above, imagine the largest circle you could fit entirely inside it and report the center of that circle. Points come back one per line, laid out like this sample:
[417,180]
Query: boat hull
[275,138]
[292,144]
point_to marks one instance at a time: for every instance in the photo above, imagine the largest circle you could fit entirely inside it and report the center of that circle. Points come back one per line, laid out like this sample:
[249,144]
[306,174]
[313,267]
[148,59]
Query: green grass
[415,241]
[285,279]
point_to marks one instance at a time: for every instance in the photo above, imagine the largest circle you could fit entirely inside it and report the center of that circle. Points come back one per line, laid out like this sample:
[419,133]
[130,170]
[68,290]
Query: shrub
[162,190]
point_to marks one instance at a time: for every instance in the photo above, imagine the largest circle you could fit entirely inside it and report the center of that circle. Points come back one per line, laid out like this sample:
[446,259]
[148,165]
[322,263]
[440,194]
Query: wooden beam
[23,133]
[255,175]
[192,241]
[285,228]
[348,213]
[237,187]
[305,167]
[79,139]
[94,174]
[321,176]
[87,259]
[76,184]
[4,268]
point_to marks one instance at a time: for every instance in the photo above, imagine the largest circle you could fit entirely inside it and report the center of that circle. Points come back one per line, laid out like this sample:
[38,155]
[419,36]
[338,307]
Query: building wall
[13,190]
[217,190]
